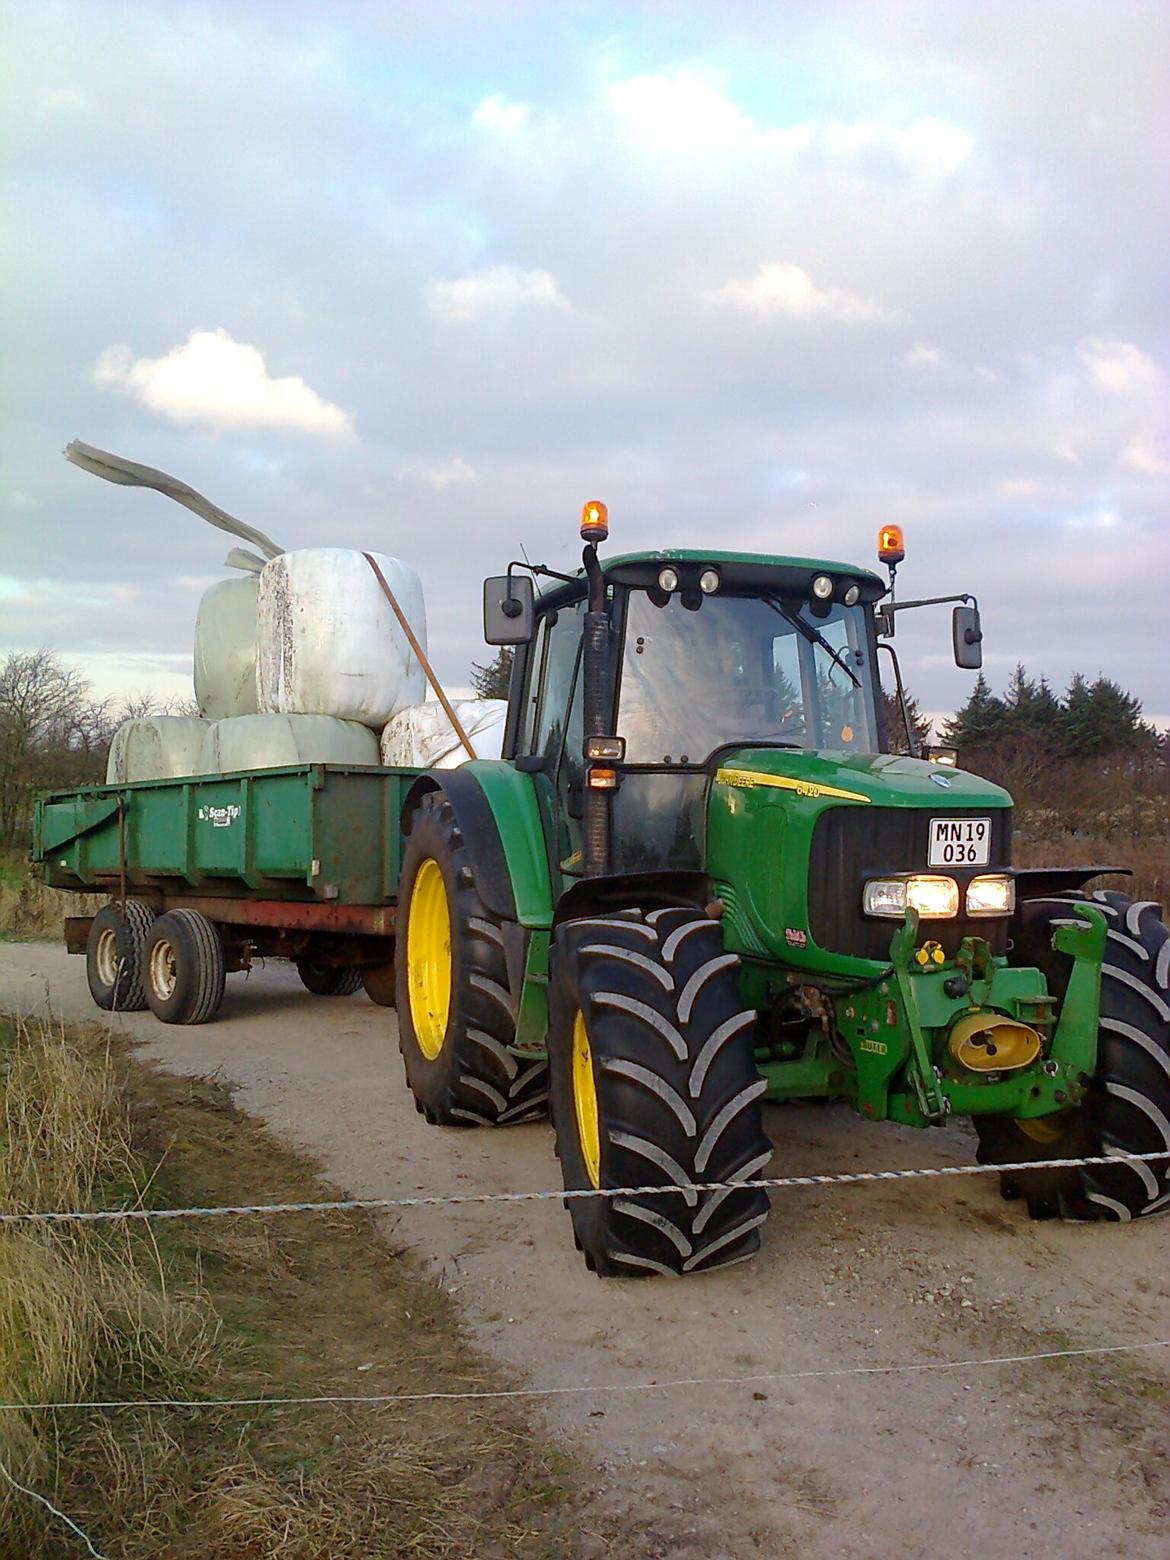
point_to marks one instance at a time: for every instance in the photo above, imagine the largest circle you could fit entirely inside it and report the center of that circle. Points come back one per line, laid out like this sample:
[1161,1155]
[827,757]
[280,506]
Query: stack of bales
[303,662]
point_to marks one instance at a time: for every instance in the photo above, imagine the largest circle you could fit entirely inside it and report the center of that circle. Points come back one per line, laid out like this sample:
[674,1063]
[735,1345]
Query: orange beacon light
[891,544]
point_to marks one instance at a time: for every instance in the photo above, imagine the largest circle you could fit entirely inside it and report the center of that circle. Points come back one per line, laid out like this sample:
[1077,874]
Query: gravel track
[1065,1459]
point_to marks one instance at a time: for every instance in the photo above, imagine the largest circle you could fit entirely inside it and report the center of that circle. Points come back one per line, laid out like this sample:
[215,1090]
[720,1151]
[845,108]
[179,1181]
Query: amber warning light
[891,544]
[594,522]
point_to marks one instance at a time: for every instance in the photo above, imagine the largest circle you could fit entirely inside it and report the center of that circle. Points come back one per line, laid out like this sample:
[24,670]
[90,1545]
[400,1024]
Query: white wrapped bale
[225,649]
[159,747]
[272,741]
[328,642]
[423,738]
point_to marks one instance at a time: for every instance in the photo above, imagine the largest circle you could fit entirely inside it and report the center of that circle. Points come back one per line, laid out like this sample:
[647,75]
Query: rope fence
[672,1188]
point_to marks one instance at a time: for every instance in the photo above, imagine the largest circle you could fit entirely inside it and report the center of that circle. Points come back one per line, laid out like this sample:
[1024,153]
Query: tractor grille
[851,844]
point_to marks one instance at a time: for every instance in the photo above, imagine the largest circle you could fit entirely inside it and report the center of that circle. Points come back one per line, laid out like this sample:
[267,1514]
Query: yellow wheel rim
[428,959]
[585,1102]
[1045,1129]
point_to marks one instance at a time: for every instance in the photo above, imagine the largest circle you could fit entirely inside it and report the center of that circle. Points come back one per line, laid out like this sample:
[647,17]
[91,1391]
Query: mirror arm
[910,739]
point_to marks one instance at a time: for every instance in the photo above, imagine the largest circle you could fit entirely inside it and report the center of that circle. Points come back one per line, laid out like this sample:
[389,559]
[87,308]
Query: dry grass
[233,1308]
[30,911]
[1148,860]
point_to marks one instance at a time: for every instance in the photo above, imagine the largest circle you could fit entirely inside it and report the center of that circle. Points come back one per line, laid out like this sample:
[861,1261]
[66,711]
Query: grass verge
[232,1308]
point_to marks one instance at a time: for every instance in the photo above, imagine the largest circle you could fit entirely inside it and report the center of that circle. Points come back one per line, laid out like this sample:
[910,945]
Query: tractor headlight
[709,581]
[852,592]
[935,898]
[994,894]
[822,586]
[668,580]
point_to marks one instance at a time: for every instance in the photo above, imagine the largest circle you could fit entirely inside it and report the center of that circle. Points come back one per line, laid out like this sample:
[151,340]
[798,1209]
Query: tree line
[54,733]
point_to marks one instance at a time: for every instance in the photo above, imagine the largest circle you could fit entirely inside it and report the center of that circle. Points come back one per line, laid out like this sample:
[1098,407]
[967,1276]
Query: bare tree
[47,723]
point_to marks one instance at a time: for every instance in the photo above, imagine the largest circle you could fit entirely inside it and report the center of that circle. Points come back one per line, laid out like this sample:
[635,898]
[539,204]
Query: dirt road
[1066,1459]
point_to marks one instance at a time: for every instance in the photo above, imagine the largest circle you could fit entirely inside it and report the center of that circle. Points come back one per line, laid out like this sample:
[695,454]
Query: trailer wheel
[329,980]
[1127,1106]
[653,1083]
[378,980]
[184,968]
[456,1023]
[113,956]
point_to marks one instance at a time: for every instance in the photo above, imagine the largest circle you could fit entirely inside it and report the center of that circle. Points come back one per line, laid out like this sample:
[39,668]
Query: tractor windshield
[743,669]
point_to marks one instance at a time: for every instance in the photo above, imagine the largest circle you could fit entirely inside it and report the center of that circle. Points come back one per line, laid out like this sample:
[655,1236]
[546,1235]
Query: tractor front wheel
[1126,1109]
[456,1022]
[653,1083]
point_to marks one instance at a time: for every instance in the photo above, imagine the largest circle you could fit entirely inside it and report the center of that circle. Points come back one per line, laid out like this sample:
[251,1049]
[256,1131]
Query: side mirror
[968,638]
[509,609]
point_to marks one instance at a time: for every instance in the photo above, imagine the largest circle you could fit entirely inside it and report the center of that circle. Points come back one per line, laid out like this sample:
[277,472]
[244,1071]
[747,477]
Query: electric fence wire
[584,1389]
[672,1188]
[44,1500]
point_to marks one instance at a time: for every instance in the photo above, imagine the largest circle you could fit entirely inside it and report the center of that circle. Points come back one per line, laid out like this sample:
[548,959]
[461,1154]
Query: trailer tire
[378,980]
[329,980]
[113,956]
[184,968]
[1127,1106]
[456,1020]
[653,1082]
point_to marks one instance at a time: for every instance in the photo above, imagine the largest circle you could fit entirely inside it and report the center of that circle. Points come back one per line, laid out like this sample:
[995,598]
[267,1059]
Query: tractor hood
[885,779]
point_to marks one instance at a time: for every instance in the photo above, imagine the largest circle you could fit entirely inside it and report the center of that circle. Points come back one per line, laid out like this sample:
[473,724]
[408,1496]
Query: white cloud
[1117,367]
[786,290]
[931,145]
[499,113]
[498,289]
[1020,487]
[686,111]
[1148,456]
[452,473]
[220,383]
[921,355]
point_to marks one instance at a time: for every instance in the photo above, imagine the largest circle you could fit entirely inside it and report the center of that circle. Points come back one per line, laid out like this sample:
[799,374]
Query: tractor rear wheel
[1126,1109]
[456,1021]
[653,1083]
[329,980]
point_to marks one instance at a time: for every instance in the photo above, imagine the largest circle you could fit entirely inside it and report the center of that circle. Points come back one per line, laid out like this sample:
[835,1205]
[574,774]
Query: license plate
[959,842]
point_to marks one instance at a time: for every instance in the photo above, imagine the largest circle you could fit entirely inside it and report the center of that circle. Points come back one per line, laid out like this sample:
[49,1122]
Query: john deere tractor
[697,880]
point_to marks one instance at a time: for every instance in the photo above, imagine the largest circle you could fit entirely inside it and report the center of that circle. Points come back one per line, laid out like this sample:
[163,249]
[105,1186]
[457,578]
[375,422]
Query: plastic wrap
[225,649]
[271,741]
[423,738]
[328,642]
[158,747]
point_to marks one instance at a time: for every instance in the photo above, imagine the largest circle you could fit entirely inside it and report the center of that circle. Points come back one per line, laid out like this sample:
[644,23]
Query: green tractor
[697,881]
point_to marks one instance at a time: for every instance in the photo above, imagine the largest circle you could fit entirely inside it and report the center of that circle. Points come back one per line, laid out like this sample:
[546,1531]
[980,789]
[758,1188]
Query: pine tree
[896,726]
[1108,720]
[491,681]
[980,721]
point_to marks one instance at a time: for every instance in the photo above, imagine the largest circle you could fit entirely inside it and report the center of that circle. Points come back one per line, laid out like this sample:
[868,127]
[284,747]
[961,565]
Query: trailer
[208,873]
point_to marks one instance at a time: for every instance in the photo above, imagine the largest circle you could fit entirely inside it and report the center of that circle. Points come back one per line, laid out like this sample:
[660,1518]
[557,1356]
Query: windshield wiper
[814,637]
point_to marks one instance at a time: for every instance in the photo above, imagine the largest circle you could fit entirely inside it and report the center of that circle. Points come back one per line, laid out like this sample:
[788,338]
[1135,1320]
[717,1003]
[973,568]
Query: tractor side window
[561,640]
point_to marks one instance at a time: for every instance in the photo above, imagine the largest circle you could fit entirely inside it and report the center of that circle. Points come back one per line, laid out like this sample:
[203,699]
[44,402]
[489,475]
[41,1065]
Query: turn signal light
[891,544]
[594,521]
[602,779]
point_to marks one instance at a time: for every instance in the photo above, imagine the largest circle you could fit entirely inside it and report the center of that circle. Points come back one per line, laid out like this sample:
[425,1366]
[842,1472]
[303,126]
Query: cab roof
[740,571]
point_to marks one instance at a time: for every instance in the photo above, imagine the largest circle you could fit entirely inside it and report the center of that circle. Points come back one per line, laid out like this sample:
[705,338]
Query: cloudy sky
[425,277]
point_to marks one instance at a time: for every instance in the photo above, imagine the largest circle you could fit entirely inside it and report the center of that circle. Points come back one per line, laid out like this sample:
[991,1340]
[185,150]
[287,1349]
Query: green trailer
[299,863]
[697,879]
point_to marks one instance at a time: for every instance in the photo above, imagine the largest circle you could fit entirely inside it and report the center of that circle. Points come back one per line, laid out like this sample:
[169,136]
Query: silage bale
[273,741]
[328,642]
[225,649]
[422,737]
[156,747]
